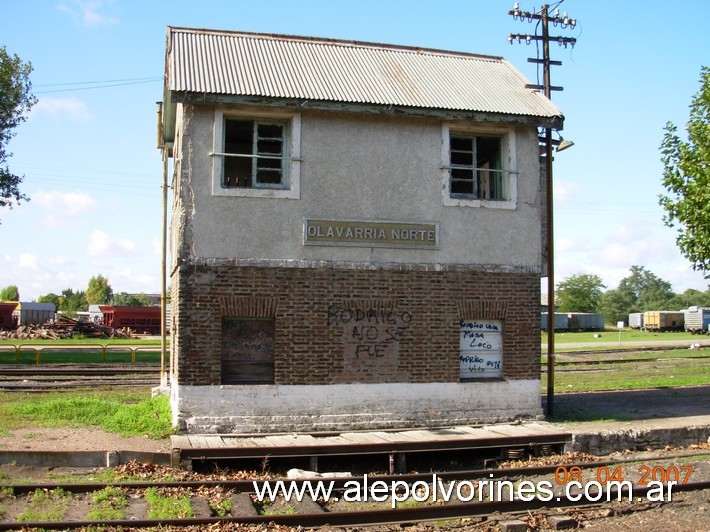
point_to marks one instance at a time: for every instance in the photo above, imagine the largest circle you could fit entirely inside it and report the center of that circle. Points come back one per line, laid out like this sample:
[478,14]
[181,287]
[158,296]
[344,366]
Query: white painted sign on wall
[481,349]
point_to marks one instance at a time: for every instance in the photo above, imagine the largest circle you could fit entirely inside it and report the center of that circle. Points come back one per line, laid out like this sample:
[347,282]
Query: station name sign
[370,234]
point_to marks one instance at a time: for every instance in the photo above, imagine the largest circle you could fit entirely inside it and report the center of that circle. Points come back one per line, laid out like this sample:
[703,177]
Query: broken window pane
[258,154]
[475,167]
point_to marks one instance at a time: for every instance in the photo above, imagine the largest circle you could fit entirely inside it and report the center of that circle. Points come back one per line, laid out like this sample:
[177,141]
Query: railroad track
[70,376]
[207,496]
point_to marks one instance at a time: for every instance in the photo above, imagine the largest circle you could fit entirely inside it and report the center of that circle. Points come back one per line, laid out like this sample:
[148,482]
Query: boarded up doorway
[248,350]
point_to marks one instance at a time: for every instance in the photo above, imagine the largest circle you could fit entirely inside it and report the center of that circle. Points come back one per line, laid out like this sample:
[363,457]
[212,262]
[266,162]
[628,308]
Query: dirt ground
[641,405]
[78,439]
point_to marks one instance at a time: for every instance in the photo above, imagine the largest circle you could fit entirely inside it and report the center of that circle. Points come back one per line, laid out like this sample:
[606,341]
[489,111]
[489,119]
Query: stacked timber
[65,327]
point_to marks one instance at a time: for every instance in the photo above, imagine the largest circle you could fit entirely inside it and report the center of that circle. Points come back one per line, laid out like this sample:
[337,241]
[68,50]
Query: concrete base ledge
[81,458]
[604,441]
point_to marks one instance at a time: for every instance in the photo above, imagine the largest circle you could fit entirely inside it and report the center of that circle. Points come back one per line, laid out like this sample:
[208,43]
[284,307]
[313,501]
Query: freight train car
[574,321]
[697,320]
[143,320]
[636,320]
[33,313]
[663,320]
[7,321]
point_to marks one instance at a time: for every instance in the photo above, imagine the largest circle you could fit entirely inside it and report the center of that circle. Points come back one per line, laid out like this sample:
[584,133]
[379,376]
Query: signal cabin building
[356,236]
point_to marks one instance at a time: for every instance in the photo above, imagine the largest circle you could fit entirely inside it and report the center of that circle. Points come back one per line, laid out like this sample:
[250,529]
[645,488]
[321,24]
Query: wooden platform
[231,446]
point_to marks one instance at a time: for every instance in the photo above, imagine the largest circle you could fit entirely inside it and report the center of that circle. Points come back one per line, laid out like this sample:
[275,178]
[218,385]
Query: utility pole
[544,19]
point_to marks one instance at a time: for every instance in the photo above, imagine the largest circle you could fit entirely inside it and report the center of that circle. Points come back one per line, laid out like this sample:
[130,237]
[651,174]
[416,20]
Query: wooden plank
[282,441]
[180,442]
[541,429]
[390,437]
[362,437]
[508,431]
[198,441]
[214,441]
[238,442]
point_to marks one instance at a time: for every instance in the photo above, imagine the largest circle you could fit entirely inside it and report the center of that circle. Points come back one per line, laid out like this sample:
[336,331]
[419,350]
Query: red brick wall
[353,326]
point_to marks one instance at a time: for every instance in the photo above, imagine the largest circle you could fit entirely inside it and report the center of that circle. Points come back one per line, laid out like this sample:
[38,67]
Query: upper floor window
[477,167]
[476,170]
[256,156]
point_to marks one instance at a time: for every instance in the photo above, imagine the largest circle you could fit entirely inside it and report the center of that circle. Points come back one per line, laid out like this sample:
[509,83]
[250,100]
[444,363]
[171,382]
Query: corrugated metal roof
[279,66]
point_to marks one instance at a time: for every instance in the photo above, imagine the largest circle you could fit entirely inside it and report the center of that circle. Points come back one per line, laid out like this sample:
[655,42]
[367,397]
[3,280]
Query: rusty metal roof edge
[198,98]
[337,42]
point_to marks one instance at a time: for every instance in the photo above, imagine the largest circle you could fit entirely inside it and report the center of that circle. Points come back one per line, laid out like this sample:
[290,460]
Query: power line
[95,85]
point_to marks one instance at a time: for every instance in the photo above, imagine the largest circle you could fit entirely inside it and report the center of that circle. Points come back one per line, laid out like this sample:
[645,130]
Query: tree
[580,293]
[10,293]
[642,290]
[124,299]
[646,290]
[51,298]
[70,302]
[686,177]
[16,100]
[691,298]
[616,305]
[99,291]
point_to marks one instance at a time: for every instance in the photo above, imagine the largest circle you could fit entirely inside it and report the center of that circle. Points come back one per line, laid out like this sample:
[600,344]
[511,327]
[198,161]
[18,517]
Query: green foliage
[10,293]
[109,504]
[124,299]
[50,298]
[69,302]
[616,305]
[99,291]
[580,293]
[167,507]
[46,505]
[641,291]
[16,100]
[691,298]
[628,376]
[151,417]
[686,177]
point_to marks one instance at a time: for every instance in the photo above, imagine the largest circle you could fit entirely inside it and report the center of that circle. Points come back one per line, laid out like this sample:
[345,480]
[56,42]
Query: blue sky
[94,175]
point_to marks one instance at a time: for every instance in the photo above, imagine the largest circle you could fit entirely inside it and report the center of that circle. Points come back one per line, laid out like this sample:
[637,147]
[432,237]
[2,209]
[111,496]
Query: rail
[355,517]
[103,349]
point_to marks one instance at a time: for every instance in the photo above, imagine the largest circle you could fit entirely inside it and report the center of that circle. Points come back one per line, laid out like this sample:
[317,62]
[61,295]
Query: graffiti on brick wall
[371,341]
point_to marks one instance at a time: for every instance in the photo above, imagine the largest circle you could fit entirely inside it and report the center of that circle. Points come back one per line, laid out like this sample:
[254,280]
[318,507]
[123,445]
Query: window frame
[490,351]
[507,163]
[291,176]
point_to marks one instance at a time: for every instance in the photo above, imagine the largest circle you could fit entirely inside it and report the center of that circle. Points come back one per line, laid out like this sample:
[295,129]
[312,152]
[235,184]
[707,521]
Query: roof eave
[198,98]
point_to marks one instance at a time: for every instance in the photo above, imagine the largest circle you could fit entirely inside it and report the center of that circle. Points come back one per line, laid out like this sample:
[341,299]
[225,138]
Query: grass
[46,505]
[80,340]
[167,507]
[632,354]
[62,355]
[612,335]
[128,413]
[109,504]
[653,374]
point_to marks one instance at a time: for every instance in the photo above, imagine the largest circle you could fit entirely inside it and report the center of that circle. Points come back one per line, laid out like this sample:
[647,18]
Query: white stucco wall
[360,168]
[281,408]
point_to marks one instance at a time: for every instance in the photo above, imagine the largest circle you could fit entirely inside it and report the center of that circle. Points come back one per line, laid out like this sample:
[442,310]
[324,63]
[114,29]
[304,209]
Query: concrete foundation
[289,408]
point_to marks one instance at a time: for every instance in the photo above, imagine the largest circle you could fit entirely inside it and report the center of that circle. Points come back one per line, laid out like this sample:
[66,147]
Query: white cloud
[89,12]
[28,261]
[64,202]
[101,244]
[71,108]
[59,205]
